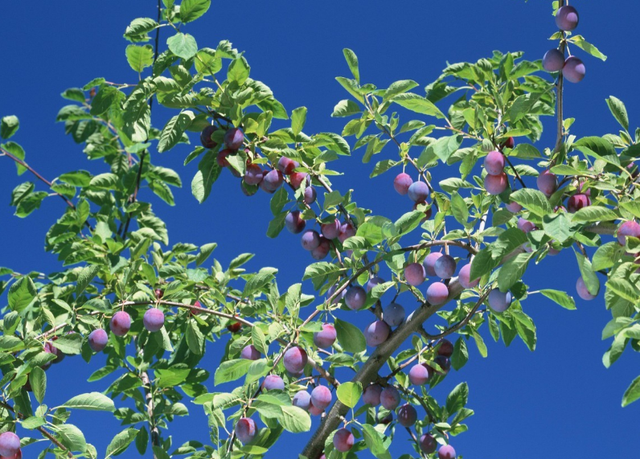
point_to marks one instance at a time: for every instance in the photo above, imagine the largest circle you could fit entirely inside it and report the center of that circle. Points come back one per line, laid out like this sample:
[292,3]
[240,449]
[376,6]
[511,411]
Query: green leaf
[350,337]
[418,104]
[121,442]
[173,130]
[623,288]
[33,422]
[606,256]
[9,125]
[92,401]
[460,354]
[352,62]
[349,393]
[581,43]
[195,338]
[20,192]
[557,227]
[138,29]
[294,419]
[375,442]
[208,173]
[276,225]
[21,293]
[562,298]
[588,275]
[525,328]
[599,148]
[205,252]
[38,381]
[398,87]
[70,344]
[71,437]
[459,208]
[190,10]
[345,107]
[182,45]
[632,393]
[298,119]
[533,200]
[104,99]
[594,214]
[619,111]
[85,277]
[457,399]
[513,270]
[231,370]
[238,70]
[139,57]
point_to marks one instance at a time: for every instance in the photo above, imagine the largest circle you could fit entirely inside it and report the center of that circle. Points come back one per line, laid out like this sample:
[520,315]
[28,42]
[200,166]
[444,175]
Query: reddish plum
[298,178]
[496,184]
[445,348]
[246,430]
[324,339]
[98,339]
[464,277]
[376,333]
[343,440]
[402,182]
[390,398]
[321,397]
[494,163]
[547,182]
[120,323]
[294,222]
[331,230]
[233,138]
[295,359]
[287,165]
[437,293]
[577,202]
[628,228]
[153,319]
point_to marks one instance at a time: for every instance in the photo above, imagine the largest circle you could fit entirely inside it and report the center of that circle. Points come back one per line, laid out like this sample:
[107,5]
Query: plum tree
[553,60]
[98,339]
[393,314]
[407,415]
[295,359]
[321,397]
[567,18]
[285,352]
[402,182]
[246,430]
[153,319]
[324,339]
[120,323]
[376,333]
[343,440]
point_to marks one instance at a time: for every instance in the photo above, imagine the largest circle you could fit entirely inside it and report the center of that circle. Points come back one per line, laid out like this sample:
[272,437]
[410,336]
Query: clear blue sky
[556,402]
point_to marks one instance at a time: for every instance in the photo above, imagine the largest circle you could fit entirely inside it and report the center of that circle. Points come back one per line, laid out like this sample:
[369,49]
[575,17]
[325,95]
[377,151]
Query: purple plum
[407,415]
[343,440]
[553,60]
[373,281]
[249,352]
[577,202]
[153,319]
[393,314]
[547,182]
[253,175]
[246,430]
[271,181]
[499,301]
[376,333]
[496,184]
[355,297]
[310,240]
[233,138]
[286,165]
[346,231]
[428,444]
[310,195]
[446,452]
[371,394]
[574,69]
[583,293]
[302,399]
[513,207]
[390,398]
[295,359]
[430,263]
[402,182]
[525,225]
[445,267]
[322,250]
[205,137]
[120,323]
[463,277]
[294,222]
[273,382]
[321,397]
[628,228]
[414,273]
[98,339]
[418,192]
[9,444]
[419,374]
[331,230]
[437,293]
[445,348]
[494,163]
[567,18]
[324,339]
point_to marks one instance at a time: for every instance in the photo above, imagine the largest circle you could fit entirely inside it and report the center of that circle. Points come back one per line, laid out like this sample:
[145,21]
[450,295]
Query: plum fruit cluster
[554,60]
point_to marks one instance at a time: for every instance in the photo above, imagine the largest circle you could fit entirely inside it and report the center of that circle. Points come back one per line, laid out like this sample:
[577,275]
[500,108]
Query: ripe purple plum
[371,394]
[120,323]
[250,352]
[286,165]
[295,359]
[553,60]
[302,399]
[428,444]
[322,250]
[402,182]
[332,290]
[494,163]
[430,263]
[298,178]
[513,207]
[98,339]
[509,143]
[324,339]
[310,240]
[376,333]
[577,202]
[153,319]
[464,277]
[253,175]
[321,397]
[390,398]
[414,273]
[393,314]
[221,158]
[343,440]
[496,184]
[628,228]
[194,312]
[373,281]
[418,192]
[355,297]
[445,348]
[499,301]
[51,349]
[574,69]
[446,452]
[271,181]
[407,415]
[547,182]
[445,267]
[294,222]
[444,363]
[273,382]
[234,327]
[310,195]
[246,430]
[583,293]
[331,230]
[437,293]
[9,444]
[346,231]
[567,18]
[205,137]
[525,225]
[233,138]
[314,410]
[419,374]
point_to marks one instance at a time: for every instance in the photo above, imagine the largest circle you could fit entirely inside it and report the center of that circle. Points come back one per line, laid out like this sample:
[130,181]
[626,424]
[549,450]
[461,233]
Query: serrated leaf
[71,437]
[533,200]
[139,57]
[173,130]
[190,10]
[594,214]
[231,370]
